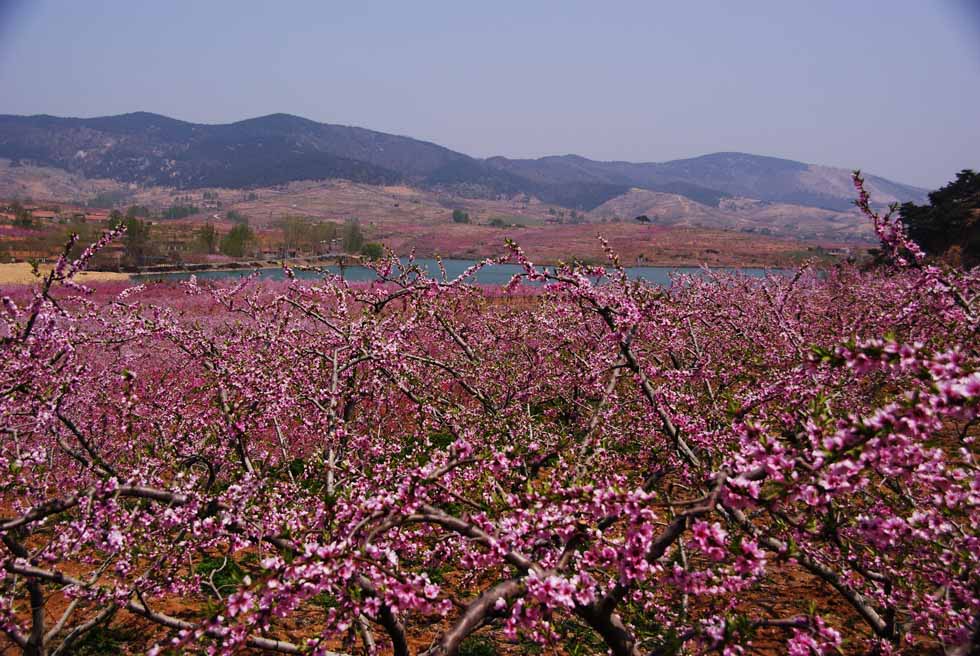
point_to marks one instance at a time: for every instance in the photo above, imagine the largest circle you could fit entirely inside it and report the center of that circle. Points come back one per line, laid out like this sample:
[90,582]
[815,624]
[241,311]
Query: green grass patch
[478,645]
[103,640]
[224,573]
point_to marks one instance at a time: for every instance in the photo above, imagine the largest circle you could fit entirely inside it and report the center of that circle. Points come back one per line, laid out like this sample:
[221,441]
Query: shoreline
[243,269]
[245,265]
[19,273]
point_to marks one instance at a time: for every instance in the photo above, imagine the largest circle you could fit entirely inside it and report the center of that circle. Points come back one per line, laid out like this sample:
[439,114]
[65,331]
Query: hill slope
[150,149]
[709,178]
[741,214]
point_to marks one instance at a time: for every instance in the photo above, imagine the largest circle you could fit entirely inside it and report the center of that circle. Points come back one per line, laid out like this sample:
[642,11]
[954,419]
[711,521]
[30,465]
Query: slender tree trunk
[35,642]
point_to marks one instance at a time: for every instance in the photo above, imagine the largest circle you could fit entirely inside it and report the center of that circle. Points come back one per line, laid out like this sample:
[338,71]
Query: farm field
[780,464]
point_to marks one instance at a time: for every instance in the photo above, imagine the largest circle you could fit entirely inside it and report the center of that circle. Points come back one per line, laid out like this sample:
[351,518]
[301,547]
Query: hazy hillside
[709,178]
[149,149]
[739,213]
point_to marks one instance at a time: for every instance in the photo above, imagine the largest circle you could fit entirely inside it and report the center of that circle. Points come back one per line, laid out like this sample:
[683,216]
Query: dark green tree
[208,238]
[237,242]
[136,241]
[180,211]
[950,223]
[372,250]
[459,216]
[138,212]
[353,237]
[115,219]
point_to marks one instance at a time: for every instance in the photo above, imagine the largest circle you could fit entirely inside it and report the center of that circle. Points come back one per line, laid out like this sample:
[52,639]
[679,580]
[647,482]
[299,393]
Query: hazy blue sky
[892,86]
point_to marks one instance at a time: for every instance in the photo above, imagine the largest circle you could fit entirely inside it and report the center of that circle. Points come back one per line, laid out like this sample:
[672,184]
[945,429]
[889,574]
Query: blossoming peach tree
[593,463]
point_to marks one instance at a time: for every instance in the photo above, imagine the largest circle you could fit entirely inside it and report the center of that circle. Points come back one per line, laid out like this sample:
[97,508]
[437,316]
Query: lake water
[499,274]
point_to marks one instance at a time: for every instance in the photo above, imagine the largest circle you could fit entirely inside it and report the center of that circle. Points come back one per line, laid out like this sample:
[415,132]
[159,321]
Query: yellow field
[20,273]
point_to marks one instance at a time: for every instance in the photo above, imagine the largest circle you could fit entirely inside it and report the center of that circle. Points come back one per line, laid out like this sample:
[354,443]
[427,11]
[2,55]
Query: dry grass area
[338,200]
[20,273]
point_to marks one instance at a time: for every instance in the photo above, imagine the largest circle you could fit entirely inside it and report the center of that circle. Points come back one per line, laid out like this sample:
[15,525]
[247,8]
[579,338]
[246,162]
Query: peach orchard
[587,462]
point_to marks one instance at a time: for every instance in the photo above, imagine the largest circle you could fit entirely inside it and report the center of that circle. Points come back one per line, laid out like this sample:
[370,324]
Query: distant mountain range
[150,149]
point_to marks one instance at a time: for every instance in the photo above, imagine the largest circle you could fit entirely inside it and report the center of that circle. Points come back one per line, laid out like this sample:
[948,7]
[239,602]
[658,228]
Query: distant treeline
[179,211]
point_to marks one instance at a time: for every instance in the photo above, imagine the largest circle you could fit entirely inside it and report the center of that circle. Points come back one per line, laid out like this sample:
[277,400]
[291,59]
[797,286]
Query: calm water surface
[499,274]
